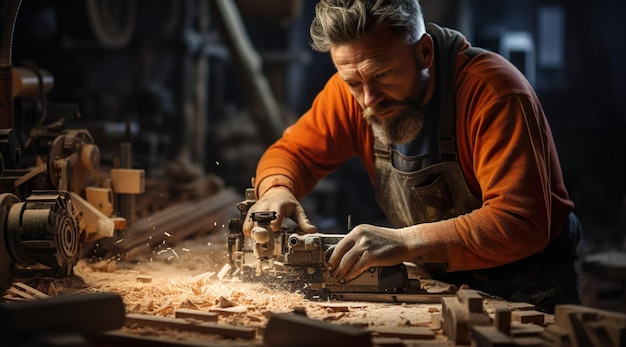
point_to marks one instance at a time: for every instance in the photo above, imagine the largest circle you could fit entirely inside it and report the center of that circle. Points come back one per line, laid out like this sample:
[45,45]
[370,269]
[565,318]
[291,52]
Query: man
[457,147]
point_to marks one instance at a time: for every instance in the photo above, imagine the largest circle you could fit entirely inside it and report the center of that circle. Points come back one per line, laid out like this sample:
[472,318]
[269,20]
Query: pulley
[43,230]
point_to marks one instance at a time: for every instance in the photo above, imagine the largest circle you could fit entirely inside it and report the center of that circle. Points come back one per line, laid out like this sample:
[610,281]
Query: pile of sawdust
[185,276]
[160,289]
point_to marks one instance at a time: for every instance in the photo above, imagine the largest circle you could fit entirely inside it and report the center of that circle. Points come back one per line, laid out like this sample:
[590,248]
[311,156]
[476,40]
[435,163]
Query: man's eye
[352,84]
[381,75]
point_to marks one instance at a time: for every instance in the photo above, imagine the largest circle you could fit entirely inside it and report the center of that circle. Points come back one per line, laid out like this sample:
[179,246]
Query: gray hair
[345,21]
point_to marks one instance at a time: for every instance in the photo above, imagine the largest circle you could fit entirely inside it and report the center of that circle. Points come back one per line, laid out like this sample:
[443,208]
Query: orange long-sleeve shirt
[506,151]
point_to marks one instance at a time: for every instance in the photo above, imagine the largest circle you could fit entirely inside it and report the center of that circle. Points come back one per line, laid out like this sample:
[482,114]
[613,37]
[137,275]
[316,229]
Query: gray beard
[403,128]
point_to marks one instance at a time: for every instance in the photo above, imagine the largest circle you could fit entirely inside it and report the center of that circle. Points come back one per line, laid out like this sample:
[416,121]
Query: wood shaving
[189,281]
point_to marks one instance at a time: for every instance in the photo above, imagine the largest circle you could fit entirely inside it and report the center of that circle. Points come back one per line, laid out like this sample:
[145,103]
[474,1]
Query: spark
[118,241]
[167,234]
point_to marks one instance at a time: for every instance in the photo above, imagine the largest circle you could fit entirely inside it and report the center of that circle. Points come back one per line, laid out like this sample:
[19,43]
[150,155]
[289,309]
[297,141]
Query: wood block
[97,225]
[435,321]
[387,342]
[556,336]
[100,198]
[197,314]
[288,329]
[487,336]
[456,324]
[502,320]
[76,313]
[471,298]
[591,327]
[521,306]
[179,324]
[419,333]
[521,330]
[533,316]
[531,341]
[119,223]
[128,181]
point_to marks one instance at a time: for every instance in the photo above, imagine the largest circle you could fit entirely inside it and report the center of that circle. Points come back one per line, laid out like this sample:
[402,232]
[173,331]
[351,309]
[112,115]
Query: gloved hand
[281,200]
[366,246]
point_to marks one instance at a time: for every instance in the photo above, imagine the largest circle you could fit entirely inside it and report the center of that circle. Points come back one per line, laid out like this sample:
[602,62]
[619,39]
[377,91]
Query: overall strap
[447,43]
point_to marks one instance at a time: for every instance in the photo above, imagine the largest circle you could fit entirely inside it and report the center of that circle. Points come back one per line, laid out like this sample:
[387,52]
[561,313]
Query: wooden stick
[179,324]
[31,290]
[20,293]
[197,314]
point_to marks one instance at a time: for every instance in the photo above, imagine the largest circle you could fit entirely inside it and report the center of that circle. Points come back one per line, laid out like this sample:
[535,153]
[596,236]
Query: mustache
[387,105]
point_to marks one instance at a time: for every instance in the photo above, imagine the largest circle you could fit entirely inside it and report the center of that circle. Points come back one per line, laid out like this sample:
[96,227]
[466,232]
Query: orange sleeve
[509,158]
[322,139]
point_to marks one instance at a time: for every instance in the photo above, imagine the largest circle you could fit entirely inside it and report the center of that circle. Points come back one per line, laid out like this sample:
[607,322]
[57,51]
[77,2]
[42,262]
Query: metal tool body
[299,261]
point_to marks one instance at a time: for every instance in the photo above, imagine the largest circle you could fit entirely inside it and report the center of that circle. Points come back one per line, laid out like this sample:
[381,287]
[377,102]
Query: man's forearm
[260,187]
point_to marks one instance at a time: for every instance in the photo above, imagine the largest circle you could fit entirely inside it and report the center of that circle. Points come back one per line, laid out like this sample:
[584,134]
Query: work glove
[284,203]
[366,246]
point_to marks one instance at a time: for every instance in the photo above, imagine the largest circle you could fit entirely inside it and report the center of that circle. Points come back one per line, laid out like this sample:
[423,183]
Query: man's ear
[425,51]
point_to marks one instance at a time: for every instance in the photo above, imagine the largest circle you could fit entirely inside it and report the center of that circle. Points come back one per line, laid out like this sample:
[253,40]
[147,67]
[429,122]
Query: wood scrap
[144,278]
[230,310]
[28,289]
[179,324]
[530,316]
[197,315]
[122,338]
[388,342]
[20,293]
[417,333]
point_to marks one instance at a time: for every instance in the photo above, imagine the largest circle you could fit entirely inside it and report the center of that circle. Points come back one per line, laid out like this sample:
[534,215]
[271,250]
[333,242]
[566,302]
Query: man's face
[384,77]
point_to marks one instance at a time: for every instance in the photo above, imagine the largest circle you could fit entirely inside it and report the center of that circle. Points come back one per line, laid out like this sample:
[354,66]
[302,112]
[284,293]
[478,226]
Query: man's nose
[372,95]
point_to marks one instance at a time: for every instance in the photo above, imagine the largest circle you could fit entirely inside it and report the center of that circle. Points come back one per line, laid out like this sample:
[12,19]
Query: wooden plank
[179,324]
[197,314]
[120,338]
[419,333]
[289,329]
[521,306]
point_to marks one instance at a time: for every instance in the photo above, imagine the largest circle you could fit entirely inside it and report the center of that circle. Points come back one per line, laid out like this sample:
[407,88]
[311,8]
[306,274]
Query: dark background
[168,80]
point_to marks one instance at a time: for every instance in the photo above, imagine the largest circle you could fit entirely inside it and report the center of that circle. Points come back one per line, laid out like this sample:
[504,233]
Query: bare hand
[366,246]
[281,201]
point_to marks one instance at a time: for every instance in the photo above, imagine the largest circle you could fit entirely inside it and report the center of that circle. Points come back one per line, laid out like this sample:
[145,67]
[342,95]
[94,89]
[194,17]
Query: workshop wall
[161,75]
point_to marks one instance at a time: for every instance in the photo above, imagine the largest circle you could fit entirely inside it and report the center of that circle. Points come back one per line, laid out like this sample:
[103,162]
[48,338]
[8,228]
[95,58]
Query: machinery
[298,261]
[52,203]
